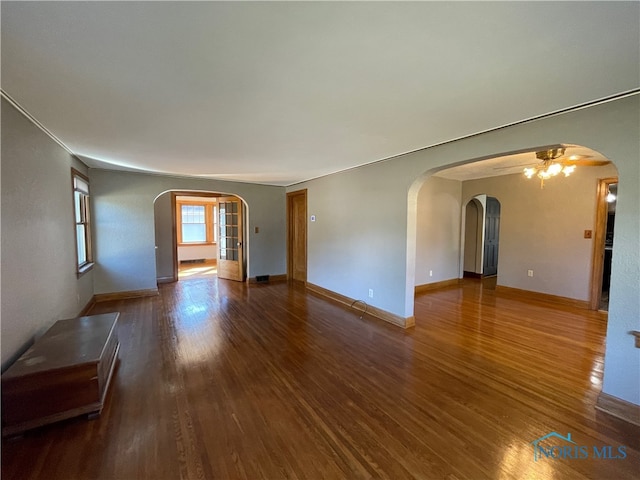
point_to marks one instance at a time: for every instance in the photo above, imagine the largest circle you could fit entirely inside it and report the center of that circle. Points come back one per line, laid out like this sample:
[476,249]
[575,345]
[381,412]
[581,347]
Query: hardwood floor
[221,380]
[204,269]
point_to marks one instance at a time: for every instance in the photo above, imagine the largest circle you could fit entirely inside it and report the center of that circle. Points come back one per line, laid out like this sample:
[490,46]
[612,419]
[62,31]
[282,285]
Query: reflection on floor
[203,269]
[489,282]
[224,380]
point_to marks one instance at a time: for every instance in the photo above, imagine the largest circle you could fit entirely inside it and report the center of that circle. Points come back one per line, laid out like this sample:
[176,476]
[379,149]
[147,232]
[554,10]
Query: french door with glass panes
[230,246]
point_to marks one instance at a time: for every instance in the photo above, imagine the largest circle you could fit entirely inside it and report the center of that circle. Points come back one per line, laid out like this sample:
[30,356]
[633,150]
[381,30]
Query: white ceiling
[278,93]
[510,164]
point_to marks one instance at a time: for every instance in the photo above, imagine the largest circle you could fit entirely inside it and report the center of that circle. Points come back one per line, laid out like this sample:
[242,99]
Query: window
[197,222]
[194,225]
[83,221]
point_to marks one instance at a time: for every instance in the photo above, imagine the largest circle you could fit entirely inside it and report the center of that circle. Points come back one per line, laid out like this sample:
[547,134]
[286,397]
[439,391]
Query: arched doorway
[199,234]
[473,237]
[540,251]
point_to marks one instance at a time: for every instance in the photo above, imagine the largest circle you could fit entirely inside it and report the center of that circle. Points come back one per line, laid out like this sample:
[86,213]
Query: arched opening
[200,234]
[546,234]
[473,235]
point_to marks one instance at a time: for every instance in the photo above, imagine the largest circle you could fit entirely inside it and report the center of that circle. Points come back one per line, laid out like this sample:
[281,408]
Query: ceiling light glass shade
[549,169]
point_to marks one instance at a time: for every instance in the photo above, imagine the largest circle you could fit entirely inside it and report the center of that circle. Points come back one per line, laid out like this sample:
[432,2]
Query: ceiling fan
[553,161]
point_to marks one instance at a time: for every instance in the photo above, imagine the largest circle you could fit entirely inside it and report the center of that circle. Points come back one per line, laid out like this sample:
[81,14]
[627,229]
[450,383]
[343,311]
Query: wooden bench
[66,373]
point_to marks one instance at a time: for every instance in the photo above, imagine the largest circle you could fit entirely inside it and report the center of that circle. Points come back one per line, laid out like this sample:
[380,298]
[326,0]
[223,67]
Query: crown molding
[33,120]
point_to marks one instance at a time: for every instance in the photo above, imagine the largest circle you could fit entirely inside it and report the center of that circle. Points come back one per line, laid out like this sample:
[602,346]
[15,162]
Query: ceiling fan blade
[587,163]
[530,164]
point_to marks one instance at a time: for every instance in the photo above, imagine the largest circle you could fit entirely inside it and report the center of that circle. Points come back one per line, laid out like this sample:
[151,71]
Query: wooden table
[64,374]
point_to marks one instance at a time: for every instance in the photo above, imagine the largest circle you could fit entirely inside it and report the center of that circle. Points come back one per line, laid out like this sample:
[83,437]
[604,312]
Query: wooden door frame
[175,235]
[599,236]
[290,219]
[240,275]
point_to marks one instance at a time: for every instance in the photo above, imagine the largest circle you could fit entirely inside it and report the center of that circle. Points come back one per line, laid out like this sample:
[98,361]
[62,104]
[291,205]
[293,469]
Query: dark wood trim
[637,336]
[599,237]
[616,407]
[542,297]
[435,285]
[107,297]
[373,311]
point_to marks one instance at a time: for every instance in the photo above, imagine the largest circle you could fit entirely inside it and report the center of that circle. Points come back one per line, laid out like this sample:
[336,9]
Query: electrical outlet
[529,273]
[431,273]
[371,293]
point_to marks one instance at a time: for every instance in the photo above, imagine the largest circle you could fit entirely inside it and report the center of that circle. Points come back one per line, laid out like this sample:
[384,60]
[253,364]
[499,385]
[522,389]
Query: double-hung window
[196,222]
[82,215]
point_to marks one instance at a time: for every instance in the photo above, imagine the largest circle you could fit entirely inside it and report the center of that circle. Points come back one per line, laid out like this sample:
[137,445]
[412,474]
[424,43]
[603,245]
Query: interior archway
[473,232]
[177,257]
[547,249]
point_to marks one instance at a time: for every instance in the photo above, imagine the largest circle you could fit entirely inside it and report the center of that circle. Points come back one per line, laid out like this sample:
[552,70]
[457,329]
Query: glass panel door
[230,238]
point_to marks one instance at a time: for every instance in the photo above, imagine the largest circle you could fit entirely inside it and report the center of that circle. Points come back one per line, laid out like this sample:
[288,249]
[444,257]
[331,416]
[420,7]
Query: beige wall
[366,229]
[438,231]
[39,282]
[543,229]
[540,230]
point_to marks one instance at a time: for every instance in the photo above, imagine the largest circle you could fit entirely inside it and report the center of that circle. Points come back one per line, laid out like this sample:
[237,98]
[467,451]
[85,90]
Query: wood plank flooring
[219,380]
[205,269]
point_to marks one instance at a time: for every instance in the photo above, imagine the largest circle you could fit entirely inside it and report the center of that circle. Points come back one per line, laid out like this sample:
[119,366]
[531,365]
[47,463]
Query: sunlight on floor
[198,270]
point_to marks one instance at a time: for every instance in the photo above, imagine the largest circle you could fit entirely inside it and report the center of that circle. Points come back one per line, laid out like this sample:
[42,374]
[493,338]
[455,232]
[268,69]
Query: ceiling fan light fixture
[549,167]
[544,174]
[554,169]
